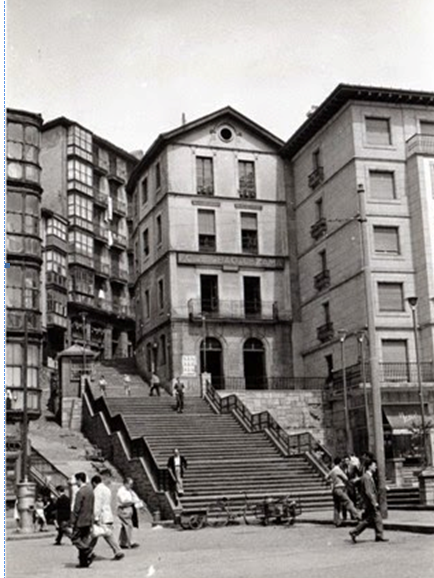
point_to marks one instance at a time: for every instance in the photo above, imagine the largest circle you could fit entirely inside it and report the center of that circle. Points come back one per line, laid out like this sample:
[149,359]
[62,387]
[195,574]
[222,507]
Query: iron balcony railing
[325,332]
[272,383]
[420,144]
[322,280]
[319,228]
[240,309]
[389,373]
[316,177]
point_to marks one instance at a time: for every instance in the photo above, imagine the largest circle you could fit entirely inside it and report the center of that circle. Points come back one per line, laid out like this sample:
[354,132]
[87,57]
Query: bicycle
[224,513]
[283,510]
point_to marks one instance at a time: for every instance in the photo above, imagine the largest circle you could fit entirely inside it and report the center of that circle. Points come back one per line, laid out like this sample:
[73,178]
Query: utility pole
[348,432]
[373,357]
[361,339]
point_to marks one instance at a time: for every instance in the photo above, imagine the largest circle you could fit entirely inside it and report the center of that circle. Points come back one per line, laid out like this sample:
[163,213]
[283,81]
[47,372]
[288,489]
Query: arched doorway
[254,364]
[211,360]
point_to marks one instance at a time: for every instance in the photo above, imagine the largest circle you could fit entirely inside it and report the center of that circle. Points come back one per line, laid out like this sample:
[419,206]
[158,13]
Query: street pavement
[302,551]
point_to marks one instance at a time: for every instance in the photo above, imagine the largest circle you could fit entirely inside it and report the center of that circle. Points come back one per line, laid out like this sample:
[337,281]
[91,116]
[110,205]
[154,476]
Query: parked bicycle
[226,512]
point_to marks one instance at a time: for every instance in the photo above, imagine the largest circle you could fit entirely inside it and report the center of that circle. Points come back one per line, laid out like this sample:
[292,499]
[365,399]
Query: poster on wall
[189,365]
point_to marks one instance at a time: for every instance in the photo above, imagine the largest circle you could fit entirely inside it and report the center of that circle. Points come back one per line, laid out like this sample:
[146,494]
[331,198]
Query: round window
[226,134]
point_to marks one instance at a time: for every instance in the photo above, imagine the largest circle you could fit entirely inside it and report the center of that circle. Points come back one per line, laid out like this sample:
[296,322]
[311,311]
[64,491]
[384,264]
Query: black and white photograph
[218,288]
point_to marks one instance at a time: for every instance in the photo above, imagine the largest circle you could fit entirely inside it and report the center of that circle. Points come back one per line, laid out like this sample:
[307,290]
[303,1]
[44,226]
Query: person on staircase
[155,384]
[177,464]
[128,502]
[102,385]
[178,392]
[103,515]
[127,385]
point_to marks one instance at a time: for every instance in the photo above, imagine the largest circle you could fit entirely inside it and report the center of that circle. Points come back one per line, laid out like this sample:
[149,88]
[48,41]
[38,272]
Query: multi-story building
[24,255]
[373,146]
[87,218]
[212,281]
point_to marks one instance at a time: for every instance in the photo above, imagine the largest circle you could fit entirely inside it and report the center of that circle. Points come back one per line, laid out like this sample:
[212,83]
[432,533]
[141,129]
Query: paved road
[304,551]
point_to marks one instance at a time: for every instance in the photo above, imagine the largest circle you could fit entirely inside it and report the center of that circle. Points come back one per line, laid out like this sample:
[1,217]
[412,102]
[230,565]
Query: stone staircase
[114,372]
[223,458]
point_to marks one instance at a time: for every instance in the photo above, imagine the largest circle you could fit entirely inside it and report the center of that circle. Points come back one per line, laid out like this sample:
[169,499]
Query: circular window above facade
[226,133]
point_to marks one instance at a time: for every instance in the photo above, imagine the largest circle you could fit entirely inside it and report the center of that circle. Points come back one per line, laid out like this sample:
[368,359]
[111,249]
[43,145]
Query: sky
[129,69]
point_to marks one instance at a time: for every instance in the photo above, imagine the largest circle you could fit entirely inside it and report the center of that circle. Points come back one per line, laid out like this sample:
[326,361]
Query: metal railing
[273,383]
[240,309]
[389,372]
[289,444]
[420,144]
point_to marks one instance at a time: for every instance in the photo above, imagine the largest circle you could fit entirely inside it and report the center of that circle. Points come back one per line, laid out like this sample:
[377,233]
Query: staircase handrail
[161,478]
[42,477]
[290,444]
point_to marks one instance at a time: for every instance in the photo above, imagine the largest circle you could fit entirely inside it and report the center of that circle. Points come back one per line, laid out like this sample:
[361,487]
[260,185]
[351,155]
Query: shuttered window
[386,240]
[206,226]
[204,176]
[390,297]
[247,179]
[427,127]
[394,350]
[378,131]
[382,185]
[249,233]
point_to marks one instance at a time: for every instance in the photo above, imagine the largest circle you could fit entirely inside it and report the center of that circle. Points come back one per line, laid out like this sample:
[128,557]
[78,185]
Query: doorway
[254,364]
[211,361]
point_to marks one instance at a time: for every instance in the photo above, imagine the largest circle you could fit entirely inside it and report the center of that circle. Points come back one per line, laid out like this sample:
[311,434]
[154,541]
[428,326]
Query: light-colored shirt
[337,477]
[102,505]
[125,496]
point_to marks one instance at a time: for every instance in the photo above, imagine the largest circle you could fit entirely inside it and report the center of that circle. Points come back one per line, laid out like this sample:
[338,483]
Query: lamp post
[361,338]
[373,357]
[412,301]
[348,433]
[204,343]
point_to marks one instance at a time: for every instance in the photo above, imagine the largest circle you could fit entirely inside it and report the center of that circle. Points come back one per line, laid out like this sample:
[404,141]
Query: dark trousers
[63,529]
[85,543]
[179,403]
[371,519]
[156,387]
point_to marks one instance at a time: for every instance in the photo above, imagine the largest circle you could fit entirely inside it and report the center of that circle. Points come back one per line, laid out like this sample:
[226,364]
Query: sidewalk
[418,521]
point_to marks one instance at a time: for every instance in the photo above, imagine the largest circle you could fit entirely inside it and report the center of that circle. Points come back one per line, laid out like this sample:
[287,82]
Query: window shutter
[378,131]
[382,185]
[394,351]
[390,297]
[386,240]
[206,222]
[427,128]
[249,222]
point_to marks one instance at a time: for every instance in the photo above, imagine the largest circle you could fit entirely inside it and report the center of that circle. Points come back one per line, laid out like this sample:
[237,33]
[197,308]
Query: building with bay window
[212,288]
[87,255]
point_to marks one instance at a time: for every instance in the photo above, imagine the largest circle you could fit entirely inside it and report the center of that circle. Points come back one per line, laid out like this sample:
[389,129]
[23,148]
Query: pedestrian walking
[339,481]
[155,384]
[178,392]
[63,515]
[127,385]
[103,515]
[177,464]
[371,515]
[127,504]
[39,519]
[82,519]
[102,385]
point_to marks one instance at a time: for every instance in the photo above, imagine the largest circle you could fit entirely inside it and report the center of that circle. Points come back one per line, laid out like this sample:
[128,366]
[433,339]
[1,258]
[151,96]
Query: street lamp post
[373,357]
[204,342]
[361,338]
[348,433]
[412,301]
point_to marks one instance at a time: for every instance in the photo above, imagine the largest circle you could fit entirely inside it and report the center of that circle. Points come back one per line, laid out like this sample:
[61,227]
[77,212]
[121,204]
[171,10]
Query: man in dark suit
[177,464]
[372,516]
[82,520]
[63,515]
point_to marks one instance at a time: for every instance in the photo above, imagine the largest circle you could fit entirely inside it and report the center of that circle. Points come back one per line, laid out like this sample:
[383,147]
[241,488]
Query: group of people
[354,491]
[89,516]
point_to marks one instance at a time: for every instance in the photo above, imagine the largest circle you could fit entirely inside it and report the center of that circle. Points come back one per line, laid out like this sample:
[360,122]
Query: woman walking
[127,502]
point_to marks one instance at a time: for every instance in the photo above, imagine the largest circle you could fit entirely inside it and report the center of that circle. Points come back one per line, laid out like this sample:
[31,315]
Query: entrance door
[209,293]
[254,364]
[252,296]
[211,361]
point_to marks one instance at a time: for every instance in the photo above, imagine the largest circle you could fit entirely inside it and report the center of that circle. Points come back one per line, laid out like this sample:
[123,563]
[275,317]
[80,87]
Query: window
[81,243]
[23,145]
[326,313]
[209,293]
[146,242]
[144,190]
[23,213]
[78,171]
[22,288]
[390,297]
[246,170]
[394,351]
[56,262]
[159,230]
[382,185]
[204,176]
[81,207]
[163,350]
[323,260]
[56,302]
[82,280]
[319,209]
[249,233]
[386,240]
[14,364]
[147,304]
[252,295]
[427,127]
[378,131]
[316,159]
[207,236]
[157,176]
[57,228]
[80,142]
[161,294]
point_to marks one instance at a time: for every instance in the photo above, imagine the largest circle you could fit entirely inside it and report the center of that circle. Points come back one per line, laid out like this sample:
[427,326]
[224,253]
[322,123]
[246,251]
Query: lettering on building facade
[230,260]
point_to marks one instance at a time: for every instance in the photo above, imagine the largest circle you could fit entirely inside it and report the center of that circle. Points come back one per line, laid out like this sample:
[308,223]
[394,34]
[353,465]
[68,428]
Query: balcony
[207,191]
[119,240]
[57,242]
[54,278]
[322,280]
[325,332]
[75,221]
[102,268]
[100,232]
[119,207]
[23,245]
[100,198]
[81,298]
[15,403]
[318,229]
[232,310]
[420,144]
[80,259]
[56,320]
[74,185]
[118,273]
[316,177]
[15,320]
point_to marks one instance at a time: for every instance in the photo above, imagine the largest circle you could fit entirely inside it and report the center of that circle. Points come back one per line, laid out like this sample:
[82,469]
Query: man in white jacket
[103,515]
